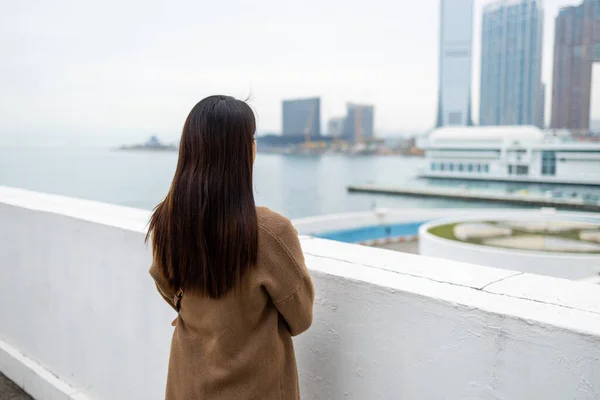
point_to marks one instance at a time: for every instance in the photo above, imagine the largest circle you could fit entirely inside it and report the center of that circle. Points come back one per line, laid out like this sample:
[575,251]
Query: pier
[472,195]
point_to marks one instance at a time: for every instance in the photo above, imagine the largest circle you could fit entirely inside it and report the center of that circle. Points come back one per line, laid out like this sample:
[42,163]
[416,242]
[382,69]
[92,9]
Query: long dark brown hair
[204,234]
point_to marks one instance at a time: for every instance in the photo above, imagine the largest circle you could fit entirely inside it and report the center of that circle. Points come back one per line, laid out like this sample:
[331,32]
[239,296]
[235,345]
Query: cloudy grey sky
[120,70]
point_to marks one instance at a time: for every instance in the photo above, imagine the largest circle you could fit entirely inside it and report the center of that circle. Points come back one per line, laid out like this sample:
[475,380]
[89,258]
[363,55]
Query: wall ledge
[33,378]
[539,300]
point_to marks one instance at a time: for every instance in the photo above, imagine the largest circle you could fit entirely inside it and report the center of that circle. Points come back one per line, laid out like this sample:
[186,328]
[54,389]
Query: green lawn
[447,232]
[444,231]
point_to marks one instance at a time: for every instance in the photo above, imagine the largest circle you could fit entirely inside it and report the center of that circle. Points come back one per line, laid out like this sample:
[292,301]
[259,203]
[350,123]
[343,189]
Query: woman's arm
[289,283]
[297,309]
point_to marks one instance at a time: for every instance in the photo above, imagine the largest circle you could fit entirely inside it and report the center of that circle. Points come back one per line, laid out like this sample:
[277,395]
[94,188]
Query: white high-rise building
[456,42]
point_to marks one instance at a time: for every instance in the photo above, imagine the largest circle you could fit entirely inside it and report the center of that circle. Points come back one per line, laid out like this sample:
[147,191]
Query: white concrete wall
[80,317]
[584,168]
[560,265]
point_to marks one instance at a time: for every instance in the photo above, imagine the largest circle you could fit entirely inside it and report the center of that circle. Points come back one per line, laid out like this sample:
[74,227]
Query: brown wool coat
[240,346]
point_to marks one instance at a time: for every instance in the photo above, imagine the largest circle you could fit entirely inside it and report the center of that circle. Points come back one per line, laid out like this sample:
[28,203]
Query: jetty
[518,198]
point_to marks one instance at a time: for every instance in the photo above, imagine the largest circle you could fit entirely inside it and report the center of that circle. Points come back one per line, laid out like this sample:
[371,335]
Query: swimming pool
[375,232]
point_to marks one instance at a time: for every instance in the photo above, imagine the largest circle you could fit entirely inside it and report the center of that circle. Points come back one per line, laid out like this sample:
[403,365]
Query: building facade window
[522,170]
[487,168]
[442,166]
[455,118]
[451,167]
[577,26]
[433,166]
[548,163]
[460,167]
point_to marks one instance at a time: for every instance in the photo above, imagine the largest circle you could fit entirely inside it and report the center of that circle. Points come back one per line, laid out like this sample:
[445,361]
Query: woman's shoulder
[274,223]
[278,242]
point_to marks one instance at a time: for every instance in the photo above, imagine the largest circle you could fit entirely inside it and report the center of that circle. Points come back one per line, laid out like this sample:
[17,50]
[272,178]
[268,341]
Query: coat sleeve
[288,282]
[162,285]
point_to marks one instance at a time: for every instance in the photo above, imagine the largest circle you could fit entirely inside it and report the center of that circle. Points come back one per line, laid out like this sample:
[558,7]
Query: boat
[524,154]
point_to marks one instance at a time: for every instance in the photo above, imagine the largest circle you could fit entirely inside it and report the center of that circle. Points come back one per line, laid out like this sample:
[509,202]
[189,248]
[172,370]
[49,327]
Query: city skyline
[64,75]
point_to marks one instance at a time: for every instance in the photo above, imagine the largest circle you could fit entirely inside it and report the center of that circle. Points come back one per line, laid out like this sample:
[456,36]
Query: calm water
[293,185]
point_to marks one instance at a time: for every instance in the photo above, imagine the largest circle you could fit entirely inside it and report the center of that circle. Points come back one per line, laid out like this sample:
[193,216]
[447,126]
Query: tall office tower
[358,125]
[511,63]
[302,117]
[456,39]
[576,49]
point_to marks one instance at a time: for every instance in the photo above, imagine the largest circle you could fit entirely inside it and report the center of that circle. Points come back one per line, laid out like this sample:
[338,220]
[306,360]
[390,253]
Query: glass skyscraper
[511,63]
[456,38]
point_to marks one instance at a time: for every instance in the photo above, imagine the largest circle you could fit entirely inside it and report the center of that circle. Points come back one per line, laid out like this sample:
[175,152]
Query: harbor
[522,198]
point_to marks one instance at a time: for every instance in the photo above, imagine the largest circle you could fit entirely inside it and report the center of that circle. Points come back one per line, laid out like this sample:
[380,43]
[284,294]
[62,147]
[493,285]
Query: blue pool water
[373,232]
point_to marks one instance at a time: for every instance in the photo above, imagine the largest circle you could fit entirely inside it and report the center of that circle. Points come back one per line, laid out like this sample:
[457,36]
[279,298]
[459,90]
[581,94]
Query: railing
[80,318]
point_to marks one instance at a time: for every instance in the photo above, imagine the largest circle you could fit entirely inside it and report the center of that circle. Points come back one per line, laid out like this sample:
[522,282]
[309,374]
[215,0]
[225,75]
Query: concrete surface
[10,391]
[477,195]
[411,247]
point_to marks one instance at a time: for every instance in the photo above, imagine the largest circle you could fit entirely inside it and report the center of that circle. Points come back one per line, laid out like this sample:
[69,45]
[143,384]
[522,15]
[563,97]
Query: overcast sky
[112,70]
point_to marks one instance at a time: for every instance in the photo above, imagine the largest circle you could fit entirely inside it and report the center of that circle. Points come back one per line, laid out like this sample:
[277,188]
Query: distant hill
[153,144]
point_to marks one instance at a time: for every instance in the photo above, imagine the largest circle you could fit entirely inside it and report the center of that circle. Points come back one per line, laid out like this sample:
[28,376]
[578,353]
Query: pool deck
[10,391]
[411,247]
[527,200]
